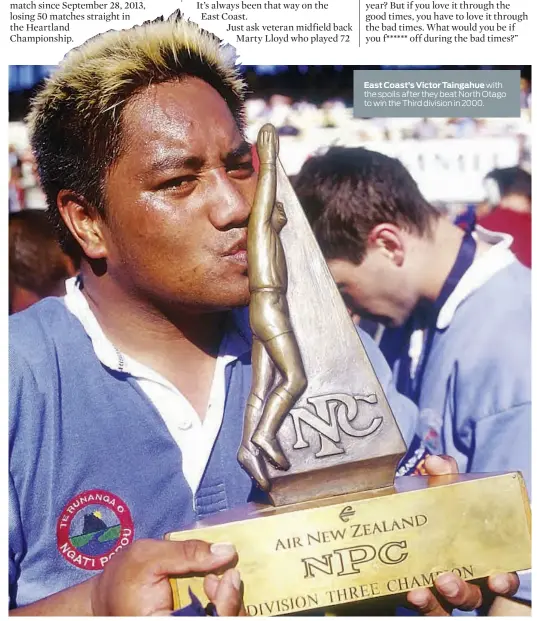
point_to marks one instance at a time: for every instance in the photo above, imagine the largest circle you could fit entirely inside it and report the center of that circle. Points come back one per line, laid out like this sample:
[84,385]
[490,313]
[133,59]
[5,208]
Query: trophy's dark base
[347,478]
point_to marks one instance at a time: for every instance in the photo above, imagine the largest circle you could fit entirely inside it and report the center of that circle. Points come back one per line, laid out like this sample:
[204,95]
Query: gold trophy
[320,438]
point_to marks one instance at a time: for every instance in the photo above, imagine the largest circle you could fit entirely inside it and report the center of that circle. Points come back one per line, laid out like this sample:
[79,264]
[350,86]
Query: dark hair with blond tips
[75,120]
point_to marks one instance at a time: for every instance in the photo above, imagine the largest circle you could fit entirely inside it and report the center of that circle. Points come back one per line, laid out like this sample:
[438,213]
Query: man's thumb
[193,556]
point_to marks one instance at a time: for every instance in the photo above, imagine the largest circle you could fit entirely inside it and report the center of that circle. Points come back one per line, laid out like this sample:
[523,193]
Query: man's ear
[388,238]
[84,222]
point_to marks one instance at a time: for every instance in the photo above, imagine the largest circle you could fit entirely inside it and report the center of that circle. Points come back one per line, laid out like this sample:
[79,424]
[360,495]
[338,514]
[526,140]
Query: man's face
[178,200]
[375,289]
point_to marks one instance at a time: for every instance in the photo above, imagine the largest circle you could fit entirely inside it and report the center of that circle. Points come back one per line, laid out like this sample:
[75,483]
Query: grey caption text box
[437,93]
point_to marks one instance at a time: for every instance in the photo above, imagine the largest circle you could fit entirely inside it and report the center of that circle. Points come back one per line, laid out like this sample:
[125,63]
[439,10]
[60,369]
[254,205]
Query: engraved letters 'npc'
[329,414]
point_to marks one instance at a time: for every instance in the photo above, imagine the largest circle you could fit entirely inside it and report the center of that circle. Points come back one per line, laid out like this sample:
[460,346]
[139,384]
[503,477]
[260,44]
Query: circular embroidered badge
[92,527]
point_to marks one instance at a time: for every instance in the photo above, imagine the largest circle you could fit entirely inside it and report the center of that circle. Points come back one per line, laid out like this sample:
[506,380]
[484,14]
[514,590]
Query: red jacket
[515,223]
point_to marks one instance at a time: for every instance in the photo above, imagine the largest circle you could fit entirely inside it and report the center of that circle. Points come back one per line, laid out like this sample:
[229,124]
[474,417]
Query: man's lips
[237,248]
[241,256]
[237,253]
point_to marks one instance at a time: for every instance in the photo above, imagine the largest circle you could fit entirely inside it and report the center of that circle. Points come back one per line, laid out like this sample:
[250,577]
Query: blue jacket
[92,464]
[475,398]
[478,377]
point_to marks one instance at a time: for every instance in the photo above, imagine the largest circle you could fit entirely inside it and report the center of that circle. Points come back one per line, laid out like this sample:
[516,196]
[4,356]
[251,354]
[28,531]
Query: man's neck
[439,254]
[516,202]
[161,341]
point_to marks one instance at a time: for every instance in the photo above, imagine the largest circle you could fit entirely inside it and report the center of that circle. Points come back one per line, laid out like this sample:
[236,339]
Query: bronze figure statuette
[274,343]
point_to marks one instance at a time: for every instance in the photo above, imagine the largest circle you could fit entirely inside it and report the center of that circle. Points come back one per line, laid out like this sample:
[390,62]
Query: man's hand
[455,592]
[135,581]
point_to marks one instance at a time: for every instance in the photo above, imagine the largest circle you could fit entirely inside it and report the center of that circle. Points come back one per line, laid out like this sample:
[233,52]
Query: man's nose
[231,203]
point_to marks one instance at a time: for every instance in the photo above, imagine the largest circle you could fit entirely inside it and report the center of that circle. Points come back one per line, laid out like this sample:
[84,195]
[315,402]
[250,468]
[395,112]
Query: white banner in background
[448,170]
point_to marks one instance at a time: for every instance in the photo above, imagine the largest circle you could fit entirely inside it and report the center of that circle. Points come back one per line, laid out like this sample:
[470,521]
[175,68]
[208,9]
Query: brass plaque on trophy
[370,544]
[320,438]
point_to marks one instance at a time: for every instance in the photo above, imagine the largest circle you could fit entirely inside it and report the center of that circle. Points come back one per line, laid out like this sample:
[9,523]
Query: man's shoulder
[489,339]
[500,309]
[513,280]
[39,314]
[515,276]
[43,327]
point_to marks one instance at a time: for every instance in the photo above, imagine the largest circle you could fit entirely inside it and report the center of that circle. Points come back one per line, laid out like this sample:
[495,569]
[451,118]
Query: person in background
[16,193]
[525,93]
[38,267]
[457,305]
[509,208]
[467,218]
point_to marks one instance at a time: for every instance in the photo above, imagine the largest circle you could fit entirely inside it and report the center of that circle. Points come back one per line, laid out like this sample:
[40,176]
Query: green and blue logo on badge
[92,527]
